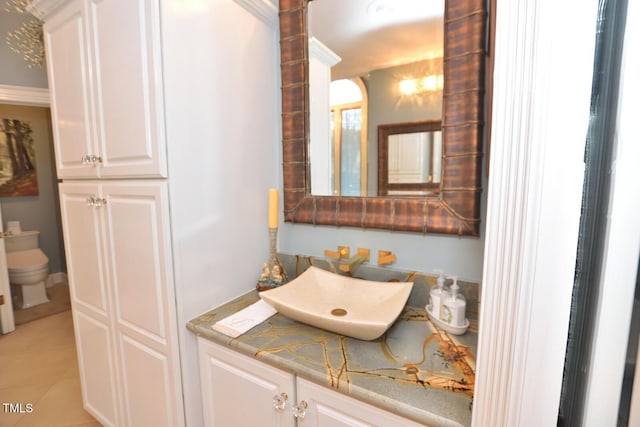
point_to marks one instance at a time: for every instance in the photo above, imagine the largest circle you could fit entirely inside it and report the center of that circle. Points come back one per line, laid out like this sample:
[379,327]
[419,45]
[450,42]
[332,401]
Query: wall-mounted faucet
[342,253]
[352,264]
[348,264]
[386,257]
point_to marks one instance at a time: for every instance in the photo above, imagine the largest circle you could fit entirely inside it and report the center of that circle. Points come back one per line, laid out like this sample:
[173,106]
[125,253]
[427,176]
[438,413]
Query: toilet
[28,267]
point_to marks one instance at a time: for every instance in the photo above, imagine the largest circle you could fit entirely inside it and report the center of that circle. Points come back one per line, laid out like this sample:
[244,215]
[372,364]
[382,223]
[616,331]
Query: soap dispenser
[437,296]
[454,306]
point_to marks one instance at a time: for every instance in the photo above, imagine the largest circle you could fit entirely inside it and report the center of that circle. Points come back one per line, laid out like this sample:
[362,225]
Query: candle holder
[273,237]
[272,274]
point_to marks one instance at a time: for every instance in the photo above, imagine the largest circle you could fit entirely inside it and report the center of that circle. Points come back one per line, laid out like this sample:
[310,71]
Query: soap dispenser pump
[437,296]
[454,306]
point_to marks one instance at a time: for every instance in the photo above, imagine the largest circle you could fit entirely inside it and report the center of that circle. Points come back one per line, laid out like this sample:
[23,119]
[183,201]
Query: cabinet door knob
[300,409]
[280,401]
[91,159]
[96,202]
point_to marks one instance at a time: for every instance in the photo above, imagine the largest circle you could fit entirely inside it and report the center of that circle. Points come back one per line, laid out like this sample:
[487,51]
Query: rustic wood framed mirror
[455,209]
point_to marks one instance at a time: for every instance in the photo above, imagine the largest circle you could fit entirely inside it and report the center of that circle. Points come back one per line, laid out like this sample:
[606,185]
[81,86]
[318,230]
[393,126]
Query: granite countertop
[414,370]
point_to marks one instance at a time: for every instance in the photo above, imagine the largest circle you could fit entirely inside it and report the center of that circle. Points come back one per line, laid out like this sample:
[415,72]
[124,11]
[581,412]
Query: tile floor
[38,365]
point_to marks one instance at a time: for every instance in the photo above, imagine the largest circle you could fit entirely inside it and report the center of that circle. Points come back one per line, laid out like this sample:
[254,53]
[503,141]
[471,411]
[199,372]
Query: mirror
[456,207]
[410,158]
[380,61]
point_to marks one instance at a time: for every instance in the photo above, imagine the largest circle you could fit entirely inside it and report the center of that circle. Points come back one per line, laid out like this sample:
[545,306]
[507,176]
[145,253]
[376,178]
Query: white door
[68,67]
[82,222]
[6,309]
[141,281]
[128,87]
[106,94]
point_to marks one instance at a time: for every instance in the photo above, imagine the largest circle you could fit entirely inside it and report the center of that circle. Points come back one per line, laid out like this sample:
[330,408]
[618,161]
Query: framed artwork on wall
[17,159]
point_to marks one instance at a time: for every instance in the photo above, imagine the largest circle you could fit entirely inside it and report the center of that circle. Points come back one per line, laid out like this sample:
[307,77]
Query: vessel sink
[348,306]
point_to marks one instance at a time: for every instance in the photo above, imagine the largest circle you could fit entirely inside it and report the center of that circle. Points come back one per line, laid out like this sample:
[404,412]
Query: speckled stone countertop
[414,370]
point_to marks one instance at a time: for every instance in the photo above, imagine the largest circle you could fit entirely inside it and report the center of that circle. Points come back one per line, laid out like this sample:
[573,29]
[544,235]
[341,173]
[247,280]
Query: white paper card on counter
[245,319]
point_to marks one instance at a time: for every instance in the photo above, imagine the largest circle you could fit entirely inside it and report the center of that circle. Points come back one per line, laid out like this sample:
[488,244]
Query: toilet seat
[26,261]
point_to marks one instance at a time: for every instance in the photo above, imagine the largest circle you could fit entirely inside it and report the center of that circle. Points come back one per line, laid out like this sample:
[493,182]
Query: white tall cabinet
[154,111]
[123,300]
[105,102]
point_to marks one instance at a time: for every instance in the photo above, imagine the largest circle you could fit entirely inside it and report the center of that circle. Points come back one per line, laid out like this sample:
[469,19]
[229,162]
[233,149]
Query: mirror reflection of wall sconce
[419,85]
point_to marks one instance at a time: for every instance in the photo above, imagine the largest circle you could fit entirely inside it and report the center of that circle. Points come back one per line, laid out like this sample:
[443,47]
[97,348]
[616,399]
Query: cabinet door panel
[137,257]
[328,408]
[71,108]
[238,391]
[82,227]
[97,368]
[128,89]
[145,325]
[147,386]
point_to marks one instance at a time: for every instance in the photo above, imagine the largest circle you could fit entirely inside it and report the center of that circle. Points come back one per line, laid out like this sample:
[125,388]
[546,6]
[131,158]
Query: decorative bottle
[437,296]
[454,306]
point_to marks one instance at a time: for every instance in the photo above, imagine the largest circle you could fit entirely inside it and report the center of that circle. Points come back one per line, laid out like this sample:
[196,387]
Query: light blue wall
[387,106]
[41,212]
[13,69]
[460,256]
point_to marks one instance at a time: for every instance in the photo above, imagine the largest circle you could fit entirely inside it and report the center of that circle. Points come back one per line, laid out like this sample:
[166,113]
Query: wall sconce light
[408,86]
[420,85]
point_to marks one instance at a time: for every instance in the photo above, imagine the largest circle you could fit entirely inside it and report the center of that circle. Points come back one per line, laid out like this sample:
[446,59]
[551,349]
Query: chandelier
[27,39]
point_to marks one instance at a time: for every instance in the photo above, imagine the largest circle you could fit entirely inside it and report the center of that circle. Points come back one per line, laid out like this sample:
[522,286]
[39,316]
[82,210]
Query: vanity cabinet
[241,391]
[328,408]
[106,91]
[119,273]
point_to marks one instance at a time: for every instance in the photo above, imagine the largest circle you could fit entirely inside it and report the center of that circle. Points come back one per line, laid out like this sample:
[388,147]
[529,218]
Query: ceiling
[374,34]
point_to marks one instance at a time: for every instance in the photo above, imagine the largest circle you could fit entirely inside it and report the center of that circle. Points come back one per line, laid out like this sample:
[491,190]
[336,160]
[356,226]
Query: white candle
[273,208]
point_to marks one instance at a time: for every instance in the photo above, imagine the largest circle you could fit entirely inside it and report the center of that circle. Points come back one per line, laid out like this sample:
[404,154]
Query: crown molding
[22,95]
[41,9]
[264,10]
[319,51]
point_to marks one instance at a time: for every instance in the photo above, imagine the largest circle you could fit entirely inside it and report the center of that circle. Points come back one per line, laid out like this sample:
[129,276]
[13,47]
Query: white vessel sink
[356,308]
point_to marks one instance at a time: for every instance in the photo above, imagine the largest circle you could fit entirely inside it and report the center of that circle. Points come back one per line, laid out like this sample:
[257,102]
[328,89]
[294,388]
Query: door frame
[541,96]
[7,323]
[540,115]
[26,96]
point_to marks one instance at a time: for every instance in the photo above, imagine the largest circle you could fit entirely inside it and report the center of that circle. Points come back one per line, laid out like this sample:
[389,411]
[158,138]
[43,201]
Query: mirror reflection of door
[410,158]
[348,124]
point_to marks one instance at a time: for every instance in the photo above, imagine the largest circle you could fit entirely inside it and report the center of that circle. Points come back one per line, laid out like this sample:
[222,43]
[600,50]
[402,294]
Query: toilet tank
[21,241]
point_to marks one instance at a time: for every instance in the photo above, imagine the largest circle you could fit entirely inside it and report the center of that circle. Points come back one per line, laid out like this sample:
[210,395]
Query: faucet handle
[386,257]
[365,253]
[343,252]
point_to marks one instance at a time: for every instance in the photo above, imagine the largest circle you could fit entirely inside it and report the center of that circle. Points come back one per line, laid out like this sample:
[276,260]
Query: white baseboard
[55,278]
